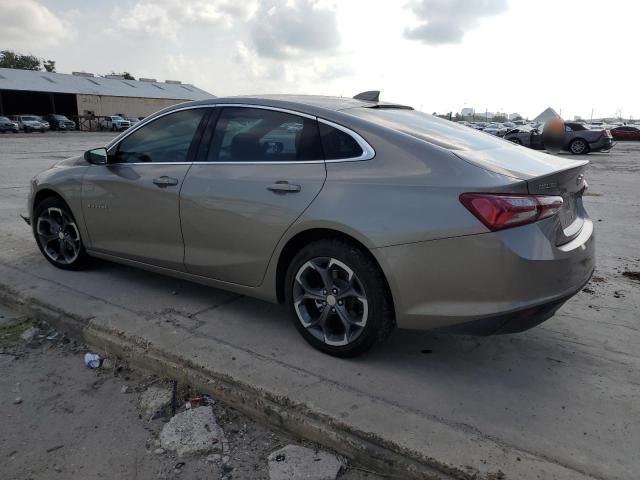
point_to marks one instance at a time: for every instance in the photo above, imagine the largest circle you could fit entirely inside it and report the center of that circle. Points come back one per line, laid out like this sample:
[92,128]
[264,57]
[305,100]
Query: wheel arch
[297,241]
[47,192]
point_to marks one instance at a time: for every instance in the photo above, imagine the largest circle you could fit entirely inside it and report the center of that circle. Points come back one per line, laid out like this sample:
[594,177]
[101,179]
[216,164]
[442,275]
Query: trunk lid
[570,184]
[545,174]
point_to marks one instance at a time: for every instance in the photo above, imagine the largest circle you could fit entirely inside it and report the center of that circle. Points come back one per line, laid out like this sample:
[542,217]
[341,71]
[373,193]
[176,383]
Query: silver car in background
[359,215]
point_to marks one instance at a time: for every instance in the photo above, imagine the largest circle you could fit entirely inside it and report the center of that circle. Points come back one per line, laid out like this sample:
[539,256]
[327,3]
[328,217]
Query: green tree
[49,65]
[10,59]
[125,75]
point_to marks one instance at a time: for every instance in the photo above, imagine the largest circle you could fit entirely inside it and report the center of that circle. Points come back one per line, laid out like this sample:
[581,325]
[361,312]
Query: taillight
[499,211]
[607,134]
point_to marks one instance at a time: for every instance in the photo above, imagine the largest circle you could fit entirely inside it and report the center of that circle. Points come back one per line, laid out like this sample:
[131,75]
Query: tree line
[11,59]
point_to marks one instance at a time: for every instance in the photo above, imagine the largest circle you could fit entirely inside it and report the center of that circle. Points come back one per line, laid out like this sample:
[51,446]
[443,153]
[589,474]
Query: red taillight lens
[499,211]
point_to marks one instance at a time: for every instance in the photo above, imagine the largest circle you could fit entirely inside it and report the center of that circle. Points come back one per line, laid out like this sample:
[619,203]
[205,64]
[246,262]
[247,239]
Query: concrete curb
[409,446]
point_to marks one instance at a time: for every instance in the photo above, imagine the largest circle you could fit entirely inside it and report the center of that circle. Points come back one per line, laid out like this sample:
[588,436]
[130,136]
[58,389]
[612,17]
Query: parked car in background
[221,192]
[113,122]
[60,122]
[579,139]
[496,129]
[28,123]
[525,135]
[132,120]
[626,132]
[7,125]
[44,123]
[520,122]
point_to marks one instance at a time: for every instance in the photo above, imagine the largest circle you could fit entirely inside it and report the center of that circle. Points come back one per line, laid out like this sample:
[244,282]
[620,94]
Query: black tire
[516,140]
[380,316]
[114,128]
[77,259]
[579,147]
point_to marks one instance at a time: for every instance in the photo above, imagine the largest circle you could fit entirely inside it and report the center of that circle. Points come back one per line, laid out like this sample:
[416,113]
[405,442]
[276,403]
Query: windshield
[4,119]
[438,131]
[116,118]
[29,119]
[60,117]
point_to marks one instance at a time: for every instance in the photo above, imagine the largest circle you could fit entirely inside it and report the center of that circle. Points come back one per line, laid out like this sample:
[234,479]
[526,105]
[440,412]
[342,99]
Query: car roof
[309,104]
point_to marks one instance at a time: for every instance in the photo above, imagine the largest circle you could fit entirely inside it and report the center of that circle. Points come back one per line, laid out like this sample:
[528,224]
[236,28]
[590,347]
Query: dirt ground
[60,419]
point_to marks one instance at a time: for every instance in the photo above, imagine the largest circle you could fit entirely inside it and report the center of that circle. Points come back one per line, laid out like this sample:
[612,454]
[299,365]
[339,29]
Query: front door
[131,205]
[261,169]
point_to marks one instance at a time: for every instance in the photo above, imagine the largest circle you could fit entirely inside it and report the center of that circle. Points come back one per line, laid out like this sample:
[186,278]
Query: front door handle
[165,181]
[284,187]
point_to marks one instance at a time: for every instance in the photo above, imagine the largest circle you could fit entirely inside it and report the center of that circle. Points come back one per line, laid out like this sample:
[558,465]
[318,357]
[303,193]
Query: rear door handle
[284,187]
[165,181]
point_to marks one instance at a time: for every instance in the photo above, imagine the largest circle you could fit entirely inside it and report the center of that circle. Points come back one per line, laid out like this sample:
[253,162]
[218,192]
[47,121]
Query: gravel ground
[62,420]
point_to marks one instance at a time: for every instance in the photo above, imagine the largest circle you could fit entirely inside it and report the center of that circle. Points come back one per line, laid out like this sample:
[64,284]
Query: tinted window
[166,139]
[576,127]
[338,144]
[259,135]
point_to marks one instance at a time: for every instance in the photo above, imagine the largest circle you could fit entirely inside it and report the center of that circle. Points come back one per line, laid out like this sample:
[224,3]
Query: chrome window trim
[367,150]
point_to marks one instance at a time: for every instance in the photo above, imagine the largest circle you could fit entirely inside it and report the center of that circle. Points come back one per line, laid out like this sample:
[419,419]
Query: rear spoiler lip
[468,156]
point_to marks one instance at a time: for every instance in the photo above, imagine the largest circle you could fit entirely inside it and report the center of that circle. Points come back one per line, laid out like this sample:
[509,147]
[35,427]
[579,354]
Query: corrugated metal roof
[36,81]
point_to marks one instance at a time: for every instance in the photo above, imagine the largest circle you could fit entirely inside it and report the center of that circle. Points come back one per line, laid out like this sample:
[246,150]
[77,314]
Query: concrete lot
[559,401]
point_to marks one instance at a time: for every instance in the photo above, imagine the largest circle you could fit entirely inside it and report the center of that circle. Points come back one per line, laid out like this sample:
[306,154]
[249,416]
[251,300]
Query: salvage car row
[38,123]
[579,138]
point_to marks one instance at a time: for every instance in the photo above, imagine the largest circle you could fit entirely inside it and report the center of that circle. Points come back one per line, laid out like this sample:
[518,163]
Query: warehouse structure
[83,94]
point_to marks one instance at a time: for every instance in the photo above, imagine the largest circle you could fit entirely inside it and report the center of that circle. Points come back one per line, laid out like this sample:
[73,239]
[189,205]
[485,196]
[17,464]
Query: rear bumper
[513,322]
[603,143]
[516,275]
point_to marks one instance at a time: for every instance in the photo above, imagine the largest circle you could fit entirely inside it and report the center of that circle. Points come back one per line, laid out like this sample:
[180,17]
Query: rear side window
[338,144]
[260,135]
[166,139]
[438,131]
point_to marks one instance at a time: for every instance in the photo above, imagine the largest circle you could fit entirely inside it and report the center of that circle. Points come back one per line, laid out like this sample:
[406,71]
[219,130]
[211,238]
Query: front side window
[166,139]
[260,135]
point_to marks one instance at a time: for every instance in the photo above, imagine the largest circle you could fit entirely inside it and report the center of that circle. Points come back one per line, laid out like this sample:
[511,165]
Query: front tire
[338,298]
[58,236]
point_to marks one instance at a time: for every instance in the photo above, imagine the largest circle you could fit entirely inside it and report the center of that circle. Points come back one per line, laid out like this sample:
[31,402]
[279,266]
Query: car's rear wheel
[578,146]
[339,298]
[57,235]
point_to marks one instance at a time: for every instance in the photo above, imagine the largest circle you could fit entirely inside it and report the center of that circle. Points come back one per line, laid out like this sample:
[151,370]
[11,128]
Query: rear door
[257,172]
[131,205]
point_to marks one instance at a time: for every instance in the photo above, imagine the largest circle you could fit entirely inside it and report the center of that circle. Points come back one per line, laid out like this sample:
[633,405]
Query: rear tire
[58,236]
[338,297]
[578,147]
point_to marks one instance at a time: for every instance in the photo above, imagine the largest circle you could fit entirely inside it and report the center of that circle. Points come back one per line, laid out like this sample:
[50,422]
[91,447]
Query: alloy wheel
[578,147]
[58,235]
[330,301]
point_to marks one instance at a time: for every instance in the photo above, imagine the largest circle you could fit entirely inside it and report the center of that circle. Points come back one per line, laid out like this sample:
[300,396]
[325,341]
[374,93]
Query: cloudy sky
[436,55]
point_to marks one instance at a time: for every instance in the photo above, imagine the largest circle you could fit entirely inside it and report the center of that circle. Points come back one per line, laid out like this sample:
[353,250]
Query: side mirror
[97,156]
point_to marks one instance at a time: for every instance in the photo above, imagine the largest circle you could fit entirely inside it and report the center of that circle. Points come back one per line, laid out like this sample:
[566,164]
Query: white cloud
[27,24]
[168,18]
[447,21]
[293,29]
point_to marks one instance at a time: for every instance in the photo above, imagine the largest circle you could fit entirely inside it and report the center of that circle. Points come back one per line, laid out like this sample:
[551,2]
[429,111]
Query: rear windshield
[438,131]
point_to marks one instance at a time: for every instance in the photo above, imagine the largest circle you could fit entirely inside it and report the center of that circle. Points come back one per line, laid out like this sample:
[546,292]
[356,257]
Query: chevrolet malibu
[359,215]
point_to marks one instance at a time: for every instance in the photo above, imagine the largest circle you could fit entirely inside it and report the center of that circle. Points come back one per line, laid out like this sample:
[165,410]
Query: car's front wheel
[339,298]
[57,235]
